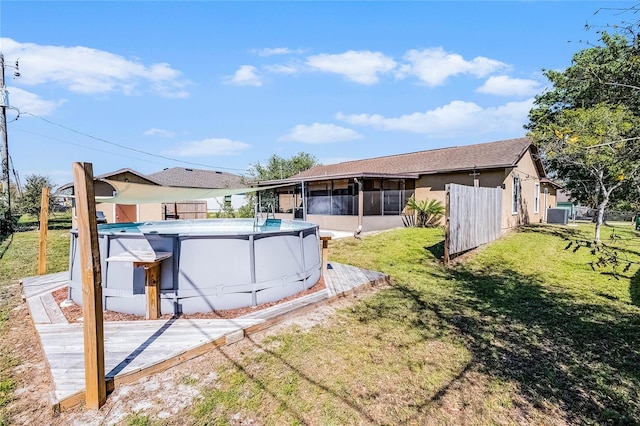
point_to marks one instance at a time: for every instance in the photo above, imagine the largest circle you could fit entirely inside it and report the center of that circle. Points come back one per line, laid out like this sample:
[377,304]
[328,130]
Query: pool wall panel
[237,267]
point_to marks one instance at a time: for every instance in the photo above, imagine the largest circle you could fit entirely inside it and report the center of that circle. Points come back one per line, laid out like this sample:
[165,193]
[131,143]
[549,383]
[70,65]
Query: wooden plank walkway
[134,349]
[130,347]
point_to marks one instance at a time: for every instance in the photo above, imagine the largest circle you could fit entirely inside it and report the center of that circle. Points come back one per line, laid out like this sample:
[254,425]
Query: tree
[597,165]
[29,202]
[278,168]
[282,168]
[591,149]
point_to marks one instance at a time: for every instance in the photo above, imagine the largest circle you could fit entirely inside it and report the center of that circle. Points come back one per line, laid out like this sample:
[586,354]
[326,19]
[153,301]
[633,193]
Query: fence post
[94,376]
[44,225]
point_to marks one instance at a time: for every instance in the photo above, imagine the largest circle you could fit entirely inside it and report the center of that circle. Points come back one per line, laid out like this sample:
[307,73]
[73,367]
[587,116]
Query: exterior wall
[380,223]
[528,175]
[338,223]
[146,212]
[149,212]
[433,186]
[109,210]
[216,204]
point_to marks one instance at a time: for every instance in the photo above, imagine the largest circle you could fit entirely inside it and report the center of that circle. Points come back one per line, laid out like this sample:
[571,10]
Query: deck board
[137,348]
[40,284]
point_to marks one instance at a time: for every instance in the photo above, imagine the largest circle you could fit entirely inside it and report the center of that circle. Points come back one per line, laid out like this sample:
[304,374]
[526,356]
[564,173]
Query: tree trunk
[600,219]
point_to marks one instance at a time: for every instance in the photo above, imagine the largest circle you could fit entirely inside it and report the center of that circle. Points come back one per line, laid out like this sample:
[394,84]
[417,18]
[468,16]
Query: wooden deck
[134,349]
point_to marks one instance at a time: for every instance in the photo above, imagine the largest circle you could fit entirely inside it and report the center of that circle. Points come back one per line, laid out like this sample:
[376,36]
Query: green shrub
[427,212]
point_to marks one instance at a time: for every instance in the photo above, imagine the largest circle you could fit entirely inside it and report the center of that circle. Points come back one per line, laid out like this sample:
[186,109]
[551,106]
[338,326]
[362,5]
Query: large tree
[586,124]
[278,168]
[590,149]
[281,168]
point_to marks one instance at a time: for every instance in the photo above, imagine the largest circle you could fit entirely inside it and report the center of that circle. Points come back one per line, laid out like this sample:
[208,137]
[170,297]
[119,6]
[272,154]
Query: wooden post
[325,252]
[95,384]
[44,225]
[152,288]
[447,230]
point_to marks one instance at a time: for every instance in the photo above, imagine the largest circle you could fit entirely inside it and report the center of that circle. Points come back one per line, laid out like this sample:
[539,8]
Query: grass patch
[524,331]
[18,259]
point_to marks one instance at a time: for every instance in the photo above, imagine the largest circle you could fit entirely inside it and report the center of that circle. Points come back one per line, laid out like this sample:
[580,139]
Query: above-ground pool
[215,264]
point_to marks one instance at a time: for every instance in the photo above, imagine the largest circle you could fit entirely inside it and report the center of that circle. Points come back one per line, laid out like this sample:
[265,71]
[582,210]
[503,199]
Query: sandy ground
[167,396]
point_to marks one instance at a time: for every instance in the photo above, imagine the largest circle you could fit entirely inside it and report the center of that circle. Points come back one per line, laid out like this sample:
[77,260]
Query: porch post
[304,203]
[360,201]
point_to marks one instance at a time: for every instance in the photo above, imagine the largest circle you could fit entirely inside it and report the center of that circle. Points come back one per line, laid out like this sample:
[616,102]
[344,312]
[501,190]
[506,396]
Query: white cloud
[503,85]
[434,65]
[282,69]
[318,133]
[457,118]
[208,147]
[276,51]
[30,102]
[89,71]
[359,66]
[159,132]
[246,75]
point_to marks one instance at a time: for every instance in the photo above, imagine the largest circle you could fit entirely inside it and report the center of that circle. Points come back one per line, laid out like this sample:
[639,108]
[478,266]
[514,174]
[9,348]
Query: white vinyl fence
[473,218]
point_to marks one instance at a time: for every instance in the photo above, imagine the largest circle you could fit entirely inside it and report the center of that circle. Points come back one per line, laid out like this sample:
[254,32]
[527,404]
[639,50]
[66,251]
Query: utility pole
[5,144]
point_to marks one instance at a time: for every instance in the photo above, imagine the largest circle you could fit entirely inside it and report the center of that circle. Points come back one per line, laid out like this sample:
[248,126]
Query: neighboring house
[373,193]
[174,177]
[564,202]
[195,178]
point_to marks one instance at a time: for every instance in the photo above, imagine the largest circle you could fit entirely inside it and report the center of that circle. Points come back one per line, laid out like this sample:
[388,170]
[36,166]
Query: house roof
[196,178]
[111,175]
[492,155]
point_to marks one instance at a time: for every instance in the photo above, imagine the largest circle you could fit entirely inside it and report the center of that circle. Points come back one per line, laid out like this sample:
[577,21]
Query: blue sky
[223,85]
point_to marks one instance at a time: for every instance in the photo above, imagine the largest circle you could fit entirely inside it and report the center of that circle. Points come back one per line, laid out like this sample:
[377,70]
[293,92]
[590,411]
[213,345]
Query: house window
[516,195]
[536,198]
[227,201]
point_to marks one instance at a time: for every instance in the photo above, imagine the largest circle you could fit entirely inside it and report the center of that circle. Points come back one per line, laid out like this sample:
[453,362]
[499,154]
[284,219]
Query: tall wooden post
[44,225]
[447,223]
[95,384]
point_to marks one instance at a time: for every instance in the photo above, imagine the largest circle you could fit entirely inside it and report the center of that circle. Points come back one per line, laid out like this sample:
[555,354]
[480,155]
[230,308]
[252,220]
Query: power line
[129,148]
[87,147]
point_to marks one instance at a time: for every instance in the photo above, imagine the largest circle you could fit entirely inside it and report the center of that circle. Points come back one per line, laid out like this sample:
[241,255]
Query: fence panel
[473,217]
[184,210]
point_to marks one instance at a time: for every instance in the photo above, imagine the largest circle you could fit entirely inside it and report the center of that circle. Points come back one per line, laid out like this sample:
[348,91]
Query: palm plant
[427,212]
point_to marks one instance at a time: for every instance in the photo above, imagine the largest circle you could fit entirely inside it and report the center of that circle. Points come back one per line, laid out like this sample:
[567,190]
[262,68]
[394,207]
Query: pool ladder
[267,215]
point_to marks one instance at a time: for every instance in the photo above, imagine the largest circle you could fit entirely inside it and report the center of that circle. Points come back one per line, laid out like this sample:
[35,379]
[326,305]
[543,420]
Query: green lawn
[523,331]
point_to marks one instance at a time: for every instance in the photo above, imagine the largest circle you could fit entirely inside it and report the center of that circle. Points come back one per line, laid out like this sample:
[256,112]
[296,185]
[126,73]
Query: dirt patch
[73,312]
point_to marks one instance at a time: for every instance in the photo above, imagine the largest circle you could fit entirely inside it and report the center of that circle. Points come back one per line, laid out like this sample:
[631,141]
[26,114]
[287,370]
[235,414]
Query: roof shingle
[504,153]
[196,178]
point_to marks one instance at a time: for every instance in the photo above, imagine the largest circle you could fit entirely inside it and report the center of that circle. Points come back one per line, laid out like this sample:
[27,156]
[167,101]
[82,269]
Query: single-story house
[372,194]
[196,178]
[156,211]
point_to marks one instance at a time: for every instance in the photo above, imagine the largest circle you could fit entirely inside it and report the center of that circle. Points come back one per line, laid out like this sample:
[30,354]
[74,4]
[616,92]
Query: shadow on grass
[4,245]
[580,357]
[634,288]
[437,250]
[556,231]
